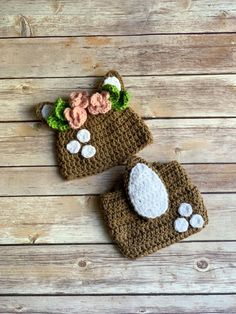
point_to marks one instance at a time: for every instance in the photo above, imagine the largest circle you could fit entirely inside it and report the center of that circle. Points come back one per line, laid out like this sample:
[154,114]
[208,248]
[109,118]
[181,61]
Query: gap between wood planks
[124,76]
[102,243]
[111,294]
[122,35]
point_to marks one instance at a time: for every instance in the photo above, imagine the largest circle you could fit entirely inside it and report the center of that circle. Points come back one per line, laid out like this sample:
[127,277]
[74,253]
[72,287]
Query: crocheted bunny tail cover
[137,236]
[116,135]
[95,132]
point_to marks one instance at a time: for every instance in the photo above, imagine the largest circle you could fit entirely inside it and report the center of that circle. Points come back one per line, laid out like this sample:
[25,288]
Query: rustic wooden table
[178,59]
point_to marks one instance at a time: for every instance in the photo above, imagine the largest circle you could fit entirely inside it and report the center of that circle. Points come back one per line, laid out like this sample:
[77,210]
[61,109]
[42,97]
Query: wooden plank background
[178,59]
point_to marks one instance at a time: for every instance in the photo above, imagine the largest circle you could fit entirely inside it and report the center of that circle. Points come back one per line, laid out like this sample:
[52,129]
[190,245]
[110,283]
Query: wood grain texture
[70,18]
[152,97]
[100,269]
[25,181]
[33,143]
[132,55]
[178,59]
[187,304]
[79,219]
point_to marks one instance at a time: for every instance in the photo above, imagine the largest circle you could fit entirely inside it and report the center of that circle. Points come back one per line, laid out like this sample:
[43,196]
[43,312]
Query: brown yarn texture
[137,236]
[116,135]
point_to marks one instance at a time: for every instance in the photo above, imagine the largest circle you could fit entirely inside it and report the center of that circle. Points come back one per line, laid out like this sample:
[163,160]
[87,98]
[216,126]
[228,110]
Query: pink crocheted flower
[76,116]
[99,103]
[79,99]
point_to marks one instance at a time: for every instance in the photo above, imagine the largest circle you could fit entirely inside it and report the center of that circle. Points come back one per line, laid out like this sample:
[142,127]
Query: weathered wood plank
[79,219]
[62,18]
[152,96]
[25,181]
[187,304]
[100,269]
[187,140]
[132,55]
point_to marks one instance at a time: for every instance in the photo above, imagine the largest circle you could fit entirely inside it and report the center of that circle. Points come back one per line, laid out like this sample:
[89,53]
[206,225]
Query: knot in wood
[177,150]
[82,263]
[25,88]
[202,264]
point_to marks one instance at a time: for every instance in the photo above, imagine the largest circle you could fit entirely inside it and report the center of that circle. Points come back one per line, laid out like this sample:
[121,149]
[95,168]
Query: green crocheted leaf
[57,124]
[119,99]
[123,101]
[59,107]
[56,120]
[113,91]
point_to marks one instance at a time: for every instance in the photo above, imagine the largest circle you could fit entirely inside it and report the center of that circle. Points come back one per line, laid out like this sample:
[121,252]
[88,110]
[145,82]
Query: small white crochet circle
[185,210]
[88,151]
[112,80]
[197,221]
[73,147]
[181,225]
[83,136]
[46,111]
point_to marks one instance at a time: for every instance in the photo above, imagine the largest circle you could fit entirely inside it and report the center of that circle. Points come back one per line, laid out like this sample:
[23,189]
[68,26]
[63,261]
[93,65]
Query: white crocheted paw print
[83,136]
[74,146]
[185,210]
[197,221]
[181,224]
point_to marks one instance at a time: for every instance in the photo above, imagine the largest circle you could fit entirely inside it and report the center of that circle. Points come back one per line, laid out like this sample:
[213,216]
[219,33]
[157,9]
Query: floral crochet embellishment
[73,111]
[79,99]
[99,103]
[83,136]
[76,116]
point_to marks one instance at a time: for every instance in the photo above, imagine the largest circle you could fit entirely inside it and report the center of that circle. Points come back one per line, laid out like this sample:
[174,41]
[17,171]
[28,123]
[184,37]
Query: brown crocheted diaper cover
[95,132]
[157,205]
